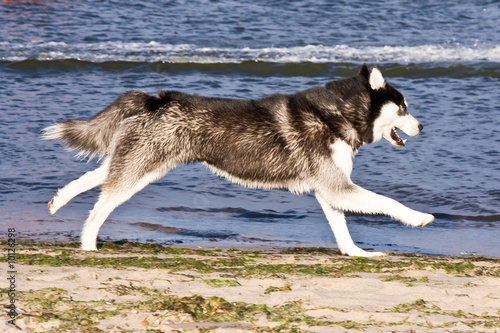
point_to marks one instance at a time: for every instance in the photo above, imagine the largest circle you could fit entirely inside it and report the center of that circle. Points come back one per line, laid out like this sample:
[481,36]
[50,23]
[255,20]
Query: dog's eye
[403,110]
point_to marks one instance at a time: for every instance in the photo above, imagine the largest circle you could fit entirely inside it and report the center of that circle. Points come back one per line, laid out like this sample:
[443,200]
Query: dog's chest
[343,155]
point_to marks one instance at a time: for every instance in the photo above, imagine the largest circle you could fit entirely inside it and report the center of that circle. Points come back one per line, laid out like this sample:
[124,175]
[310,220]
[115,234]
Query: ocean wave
[188,53]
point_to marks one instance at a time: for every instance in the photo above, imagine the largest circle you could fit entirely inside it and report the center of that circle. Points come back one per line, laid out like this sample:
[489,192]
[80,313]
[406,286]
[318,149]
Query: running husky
[302,142]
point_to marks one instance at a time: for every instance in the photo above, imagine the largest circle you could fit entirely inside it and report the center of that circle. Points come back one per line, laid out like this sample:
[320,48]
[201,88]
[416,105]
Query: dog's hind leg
[86,182]
[338,223]
[115,191]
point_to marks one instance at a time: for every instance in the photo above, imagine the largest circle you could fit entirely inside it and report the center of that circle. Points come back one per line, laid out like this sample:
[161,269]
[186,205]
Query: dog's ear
[377,81]
[363,72]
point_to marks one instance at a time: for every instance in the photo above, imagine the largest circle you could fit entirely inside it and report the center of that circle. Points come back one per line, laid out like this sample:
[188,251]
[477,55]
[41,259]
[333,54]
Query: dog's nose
[420,126]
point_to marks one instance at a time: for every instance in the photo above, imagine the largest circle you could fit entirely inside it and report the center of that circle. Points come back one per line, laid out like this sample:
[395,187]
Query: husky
[301,142]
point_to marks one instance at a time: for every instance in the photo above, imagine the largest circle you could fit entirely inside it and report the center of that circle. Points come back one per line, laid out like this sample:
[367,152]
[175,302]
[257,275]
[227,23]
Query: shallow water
[61,60]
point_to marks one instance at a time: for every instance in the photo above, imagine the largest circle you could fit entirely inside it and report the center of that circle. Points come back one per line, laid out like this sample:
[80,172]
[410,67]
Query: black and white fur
[302,142]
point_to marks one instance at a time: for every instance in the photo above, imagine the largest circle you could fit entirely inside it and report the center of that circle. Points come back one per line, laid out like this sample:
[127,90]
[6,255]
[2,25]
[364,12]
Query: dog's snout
[420,127]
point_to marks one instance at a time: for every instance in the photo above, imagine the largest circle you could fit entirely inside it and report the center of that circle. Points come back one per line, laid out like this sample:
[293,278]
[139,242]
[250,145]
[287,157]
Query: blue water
[69,59]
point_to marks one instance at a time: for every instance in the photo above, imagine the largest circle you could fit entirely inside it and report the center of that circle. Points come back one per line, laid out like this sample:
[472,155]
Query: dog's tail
[94,136]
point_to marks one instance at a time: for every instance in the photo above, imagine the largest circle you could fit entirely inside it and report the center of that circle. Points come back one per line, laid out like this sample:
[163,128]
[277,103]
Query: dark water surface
[62,59]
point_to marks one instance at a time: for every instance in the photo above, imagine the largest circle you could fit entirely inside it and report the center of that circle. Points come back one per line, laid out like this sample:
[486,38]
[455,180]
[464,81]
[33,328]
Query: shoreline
[134,287]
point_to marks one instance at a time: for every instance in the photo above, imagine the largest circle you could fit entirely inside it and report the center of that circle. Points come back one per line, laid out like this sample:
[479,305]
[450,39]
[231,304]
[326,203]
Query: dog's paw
[418,219]
[89,247]
[53,205]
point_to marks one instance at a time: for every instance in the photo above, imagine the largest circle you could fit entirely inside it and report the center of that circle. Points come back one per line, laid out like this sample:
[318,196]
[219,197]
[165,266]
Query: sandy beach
[134,287]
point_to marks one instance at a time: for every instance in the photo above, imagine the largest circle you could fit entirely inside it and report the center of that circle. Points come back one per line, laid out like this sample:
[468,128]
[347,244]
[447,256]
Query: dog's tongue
[394,135]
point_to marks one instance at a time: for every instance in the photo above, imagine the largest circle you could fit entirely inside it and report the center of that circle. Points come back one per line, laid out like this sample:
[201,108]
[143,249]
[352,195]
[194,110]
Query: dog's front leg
[358,200]
[337,222]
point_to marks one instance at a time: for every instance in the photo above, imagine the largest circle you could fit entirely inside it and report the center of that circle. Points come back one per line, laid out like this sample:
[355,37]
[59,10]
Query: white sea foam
[186,53]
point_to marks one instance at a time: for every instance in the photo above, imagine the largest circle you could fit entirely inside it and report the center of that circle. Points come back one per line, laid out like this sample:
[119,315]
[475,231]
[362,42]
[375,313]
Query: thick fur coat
[302,142]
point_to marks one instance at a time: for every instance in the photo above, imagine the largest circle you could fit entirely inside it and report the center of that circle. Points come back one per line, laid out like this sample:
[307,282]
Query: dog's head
[389,110]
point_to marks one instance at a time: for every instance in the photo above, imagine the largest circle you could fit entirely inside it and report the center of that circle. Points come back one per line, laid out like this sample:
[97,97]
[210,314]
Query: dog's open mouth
[398,141]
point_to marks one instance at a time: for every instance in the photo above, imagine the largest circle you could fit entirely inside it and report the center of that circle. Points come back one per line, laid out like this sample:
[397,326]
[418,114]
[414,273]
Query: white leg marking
[86,182]
[359,200]
[337,222]
[104,206]
[108,201]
